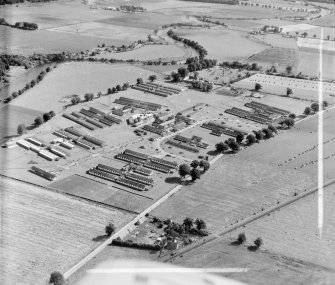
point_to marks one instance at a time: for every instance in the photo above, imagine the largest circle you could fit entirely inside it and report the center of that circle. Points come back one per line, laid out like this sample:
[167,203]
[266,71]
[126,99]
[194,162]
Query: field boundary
[248,220]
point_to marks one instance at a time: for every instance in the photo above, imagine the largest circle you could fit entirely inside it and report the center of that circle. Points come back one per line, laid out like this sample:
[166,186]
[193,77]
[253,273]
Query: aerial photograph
[167,142]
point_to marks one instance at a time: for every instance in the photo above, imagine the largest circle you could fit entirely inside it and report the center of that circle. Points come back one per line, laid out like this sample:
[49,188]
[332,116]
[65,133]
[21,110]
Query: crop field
[147,52]
[310,63]
[44,231]
[120,33]
[283,230]
[221,11]
[262,265]
[223,44]
[278,57]
[56,86]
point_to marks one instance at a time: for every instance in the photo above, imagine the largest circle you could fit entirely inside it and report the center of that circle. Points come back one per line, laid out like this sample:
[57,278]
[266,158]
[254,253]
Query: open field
[223,44]
[302,89]
[327,46]
[44,231]
[101,192]
[11,116]
[85,78]
[325,21]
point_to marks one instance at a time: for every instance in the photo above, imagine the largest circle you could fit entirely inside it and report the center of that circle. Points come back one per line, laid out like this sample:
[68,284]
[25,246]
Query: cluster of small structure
[261,113]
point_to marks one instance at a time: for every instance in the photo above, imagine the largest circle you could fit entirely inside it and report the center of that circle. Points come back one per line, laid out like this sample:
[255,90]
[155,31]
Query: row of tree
[195,45]
[32,83]
[315,107]
[21,129]
[90,96]
[256,135]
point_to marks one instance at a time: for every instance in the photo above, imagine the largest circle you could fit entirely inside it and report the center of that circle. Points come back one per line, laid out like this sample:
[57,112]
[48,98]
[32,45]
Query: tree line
[195,45]
[32,83]
[21,129]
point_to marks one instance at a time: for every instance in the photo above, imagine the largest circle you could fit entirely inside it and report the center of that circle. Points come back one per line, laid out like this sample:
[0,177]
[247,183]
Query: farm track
[246,221]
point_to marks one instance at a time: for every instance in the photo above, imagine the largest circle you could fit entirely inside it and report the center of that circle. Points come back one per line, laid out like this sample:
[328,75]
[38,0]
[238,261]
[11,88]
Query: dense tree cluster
[194,63]
[199,48]
[239,65]
[26,26]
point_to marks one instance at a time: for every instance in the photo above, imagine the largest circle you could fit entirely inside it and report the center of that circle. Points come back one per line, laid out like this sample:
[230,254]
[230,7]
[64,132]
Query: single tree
[273,129]
[188,223]
[315,107]
[153,78]
[52,113]
[258,242]
[15,94]
[239,138]
[109,91]
[113,90]
[75,100]
[200,224]
[234,146]
[241,238]
[251,139]
[289,122]
[46,117]
[48,69]
[21,129]
[289,92]
[184,169]
[325,104]
[258,87]
[292,115]
[195,174]
[205,165]
[267,133]
[56,278]
[118,87]
[307,111]
[139,81]
[195,164]
[259,135]
[38,121]
[221,147]
[110,229]
[288,69]
[125,86]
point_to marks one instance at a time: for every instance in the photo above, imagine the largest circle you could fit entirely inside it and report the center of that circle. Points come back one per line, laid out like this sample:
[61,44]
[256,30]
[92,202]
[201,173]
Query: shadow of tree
[173,180]
[235,243]
[252,248]
[100,238]
[213,152]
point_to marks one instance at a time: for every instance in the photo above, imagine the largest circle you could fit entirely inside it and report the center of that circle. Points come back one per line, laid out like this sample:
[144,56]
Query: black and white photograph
[167,142]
